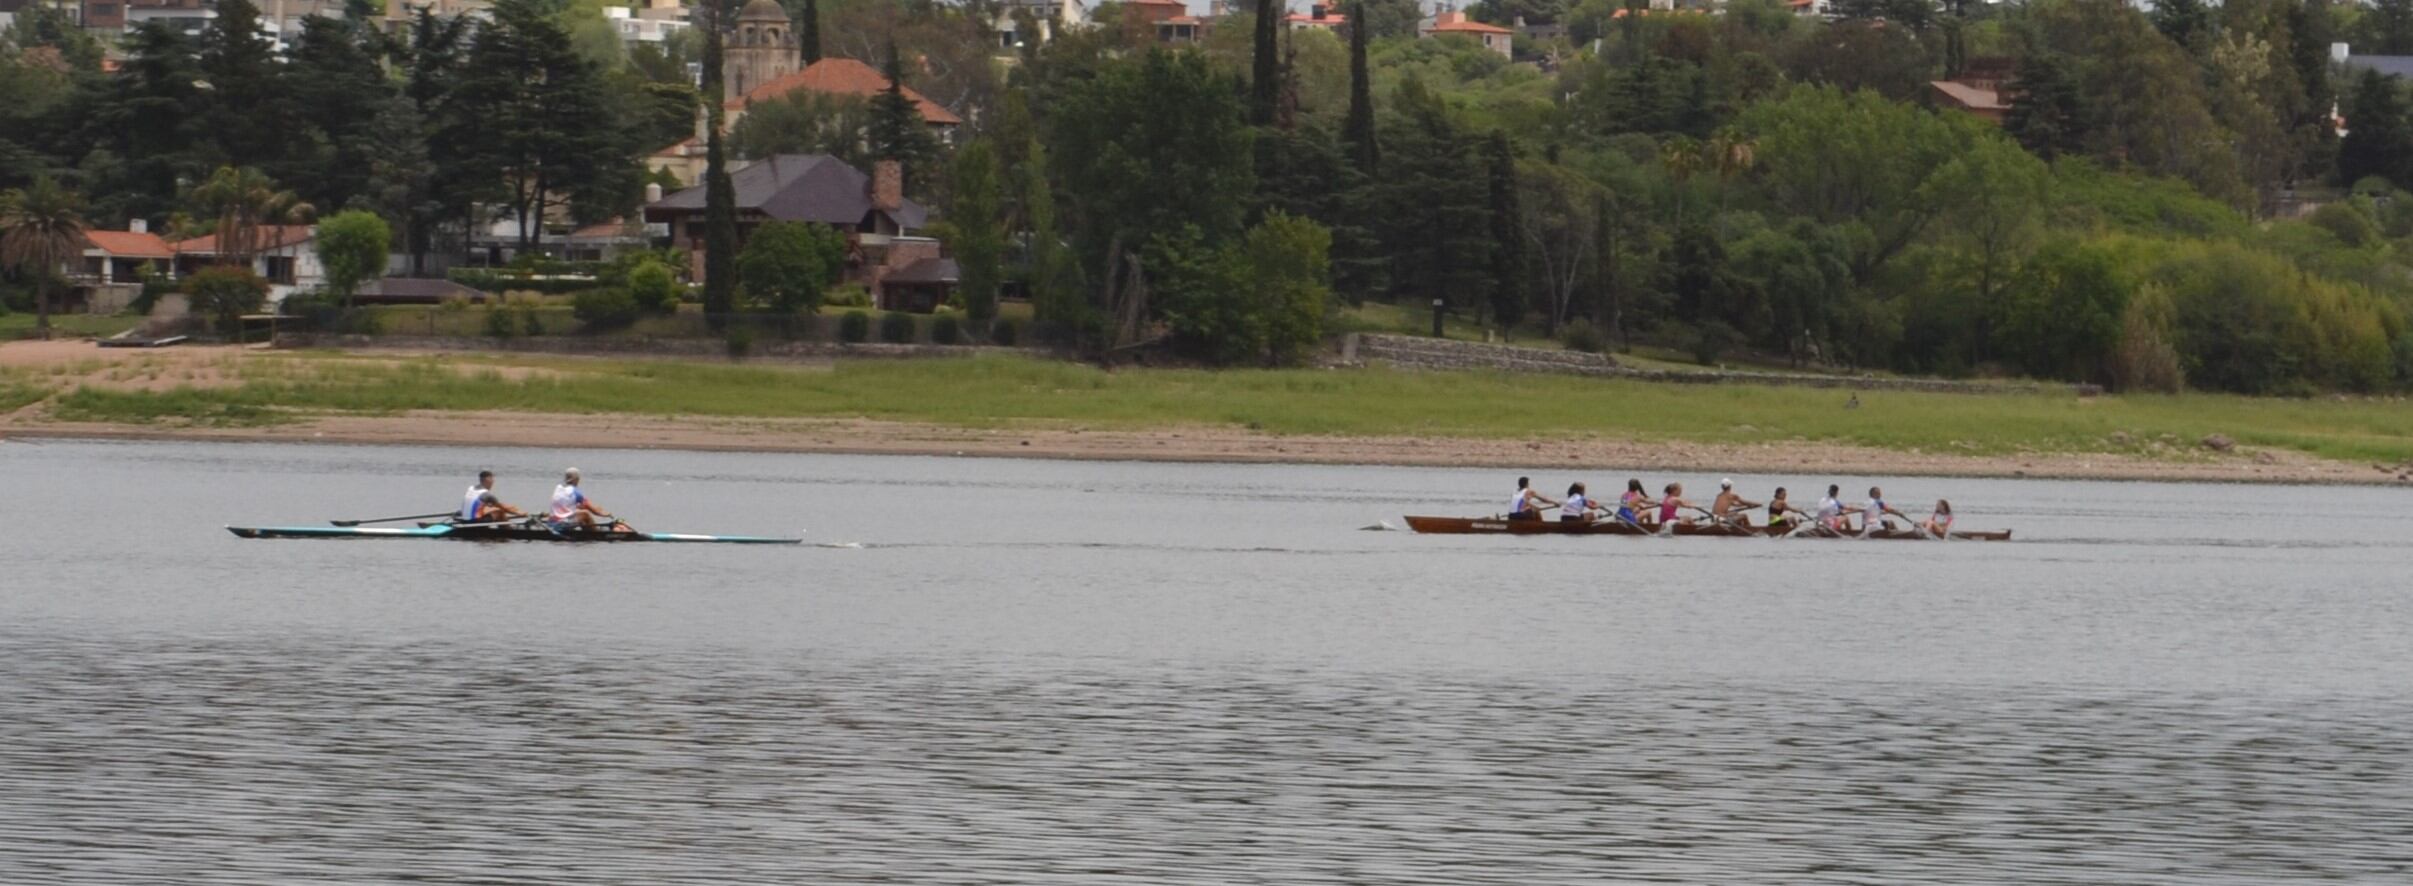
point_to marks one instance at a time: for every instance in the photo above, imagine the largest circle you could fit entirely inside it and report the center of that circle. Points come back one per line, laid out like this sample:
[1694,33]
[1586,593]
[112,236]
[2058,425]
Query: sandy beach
[1201,443]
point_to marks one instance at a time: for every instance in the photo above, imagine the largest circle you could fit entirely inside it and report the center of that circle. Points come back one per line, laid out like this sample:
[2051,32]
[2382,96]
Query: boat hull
[500,532]
[1500,526]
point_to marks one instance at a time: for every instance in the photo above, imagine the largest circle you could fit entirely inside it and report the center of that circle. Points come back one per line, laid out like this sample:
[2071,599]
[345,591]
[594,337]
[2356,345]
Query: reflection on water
[296,759]
[1050,673]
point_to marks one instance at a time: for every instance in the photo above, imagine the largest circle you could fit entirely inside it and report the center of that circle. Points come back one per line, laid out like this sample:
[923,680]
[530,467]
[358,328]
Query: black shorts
[1526,515]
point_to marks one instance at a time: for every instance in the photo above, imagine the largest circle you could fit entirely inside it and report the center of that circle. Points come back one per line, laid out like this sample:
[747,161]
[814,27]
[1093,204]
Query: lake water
[1059,672]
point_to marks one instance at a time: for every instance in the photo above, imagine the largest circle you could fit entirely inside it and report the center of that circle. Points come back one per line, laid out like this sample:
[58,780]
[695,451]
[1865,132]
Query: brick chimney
[887,185]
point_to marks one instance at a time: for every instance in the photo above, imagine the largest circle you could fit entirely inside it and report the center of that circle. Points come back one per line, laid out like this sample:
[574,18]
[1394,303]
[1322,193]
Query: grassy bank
[1006,391]
[21,325]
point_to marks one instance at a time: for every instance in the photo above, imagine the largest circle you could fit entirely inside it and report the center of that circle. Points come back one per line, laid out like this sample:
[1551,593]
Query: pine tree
[243,118]
[2046,114]
[2379,135]
[976,232]
[1358,131]
[562,136]
[897,130]
[808,31]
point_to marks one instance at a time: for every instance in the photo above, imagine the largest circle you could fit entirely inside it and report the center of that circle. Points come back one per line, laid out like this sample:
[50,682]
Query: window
[279,268]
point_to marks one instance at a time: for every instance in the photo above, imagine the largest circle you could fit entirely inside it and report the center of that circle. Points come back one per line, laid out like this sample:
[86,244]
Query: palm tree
[41,230]
[245,199]
[1682,157]
[1731,154]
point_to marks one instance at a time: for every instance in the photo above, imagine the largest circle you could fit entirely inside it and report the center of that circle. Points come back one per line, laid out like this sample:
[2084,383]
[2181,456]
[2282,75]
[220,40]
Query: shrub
[601,309]
[787,265]
[1712,340]
[1003,332]
[741,342]
[514,315]
[851,295]
[225,294]
[896,327]
[2347,223]
[1581,335]
[854,328]
[946,330]
[652,287]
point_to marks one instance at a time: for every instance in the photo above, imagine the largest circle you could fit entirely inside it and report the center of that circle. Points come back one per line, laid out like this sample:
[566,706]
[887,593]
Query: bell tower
[762,48]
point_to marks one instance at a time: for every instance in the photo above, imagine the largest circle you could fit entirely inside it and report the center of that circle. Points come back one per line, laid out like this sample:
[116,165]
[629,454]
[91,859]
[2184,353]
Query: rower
[1875,510]
[1672,500]
[480,505]
[1939,524]
[1528,504]
[571,507]
[1830,509]
[1578,507]
[1781,512]
[1729,507]
[1633,504]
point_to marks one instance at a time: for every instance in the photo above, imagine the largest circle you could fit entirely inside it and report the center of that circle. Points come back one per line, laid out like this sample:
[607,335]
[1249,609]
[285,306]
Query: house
[604,241]
[2343,56]
[920,287]
[1318,16]
[287,259]
[1808,8]
[1978,90]
[115,264]
[684,160]
[1169,20]
[186,16]
[1452,22]
[414,291]
[1046,17]
[660,20]
[871,210]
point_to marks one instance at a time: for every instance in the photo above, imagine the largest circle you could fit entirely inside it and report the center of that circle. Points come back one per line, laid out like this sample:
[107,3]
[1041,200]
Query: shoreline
[1210,445]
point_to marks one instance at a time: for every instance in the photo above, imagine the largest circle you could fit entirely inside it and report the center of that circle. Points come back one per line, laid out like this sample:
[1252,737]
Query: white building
[1049,16]
[287,259]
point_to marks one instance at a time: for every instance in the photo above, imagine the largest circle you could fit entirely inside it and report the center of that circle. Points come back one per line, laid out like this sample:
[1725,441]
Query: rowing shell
[498,532]
[1497,526]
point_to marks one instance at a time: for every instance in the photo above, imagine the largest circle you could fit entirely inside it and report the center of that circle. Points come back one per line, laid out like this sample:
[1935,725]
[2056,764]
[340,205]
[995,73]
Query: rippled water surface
[1056,672]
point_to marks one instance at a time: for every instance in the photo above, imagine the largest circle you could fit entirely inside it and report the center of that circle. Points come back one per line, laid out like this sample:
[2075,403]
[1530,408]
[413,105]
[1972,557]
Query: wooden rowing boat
[1500,526]
[499,532]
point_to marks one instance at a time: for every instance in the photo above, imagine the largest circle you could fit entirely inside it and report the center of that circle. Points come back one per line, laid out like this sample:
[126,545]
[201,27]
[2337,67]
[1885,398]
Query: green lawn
[1006,390]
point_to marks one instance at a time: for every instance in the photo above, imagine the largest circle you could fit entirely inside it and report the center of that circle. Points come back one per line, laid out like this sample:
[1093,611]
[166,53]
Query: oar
[392,519]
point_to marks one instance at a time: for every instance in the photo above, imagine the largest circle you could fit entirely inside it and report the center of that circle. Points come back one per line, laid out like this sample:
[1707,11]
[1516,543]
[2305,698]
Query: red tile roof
[1470,27]
[1297,18]
[270,237]
[128,244]
[843,76]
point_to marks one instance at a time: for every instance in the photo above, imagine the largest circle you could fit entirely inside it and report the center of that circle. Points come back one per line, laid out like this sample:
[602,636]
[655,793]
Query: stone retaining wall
[772,349]
[1432,353]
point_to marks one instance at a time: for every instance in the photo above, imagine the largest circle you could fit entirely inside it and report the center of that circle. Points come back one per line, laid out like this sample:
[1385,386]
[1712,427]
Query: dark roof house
[799,187]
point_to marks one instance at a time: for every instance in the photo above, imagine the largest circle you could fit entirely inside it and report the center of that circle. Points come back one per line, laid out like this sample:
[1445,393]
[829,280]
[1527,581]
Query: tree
[1358,131]
[897,130]
[332,81]
[2062,317]
[561,138]
[804,122]
[1265,63]
[244,116]
[1258,299]
[1158,168]
[2047,115]
[1388,19]
[2388,27]
[41,230]
[243,200]
[353,246]
[976,232]
[1433,218]
[1858,160]
[720,195]
[1507,224]
[225,293]
[2379,135]
[808,30]
[786,266]
[2183,21]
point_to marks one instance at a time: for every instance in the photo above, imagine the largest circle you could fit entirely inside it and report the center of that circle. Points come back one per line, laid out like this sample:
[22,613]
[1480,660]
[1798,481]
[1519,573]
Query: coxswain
[1729,507]
[1578,508]
[1939,524]
[571,507]
[1528,504]
[480,505]
[1875,510]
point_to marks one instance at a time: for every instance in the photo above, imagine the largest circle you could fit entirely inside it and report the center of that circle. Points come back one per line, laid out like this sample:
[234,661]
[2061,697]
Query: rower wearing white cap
[572,507]
[1729,507]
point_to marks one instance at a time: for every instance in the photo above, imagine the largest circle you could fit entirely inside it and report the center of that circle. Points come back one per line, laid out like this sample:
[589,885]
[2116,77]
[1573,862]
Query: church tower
[762,48]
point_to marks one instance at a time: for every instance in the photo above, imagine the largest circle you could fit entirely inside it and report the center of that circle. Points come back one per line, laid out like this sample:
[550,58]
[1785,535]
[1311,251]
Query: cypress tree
[1508,256]
[1265,81]
[1358,130]
[808,31]
[720,195]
